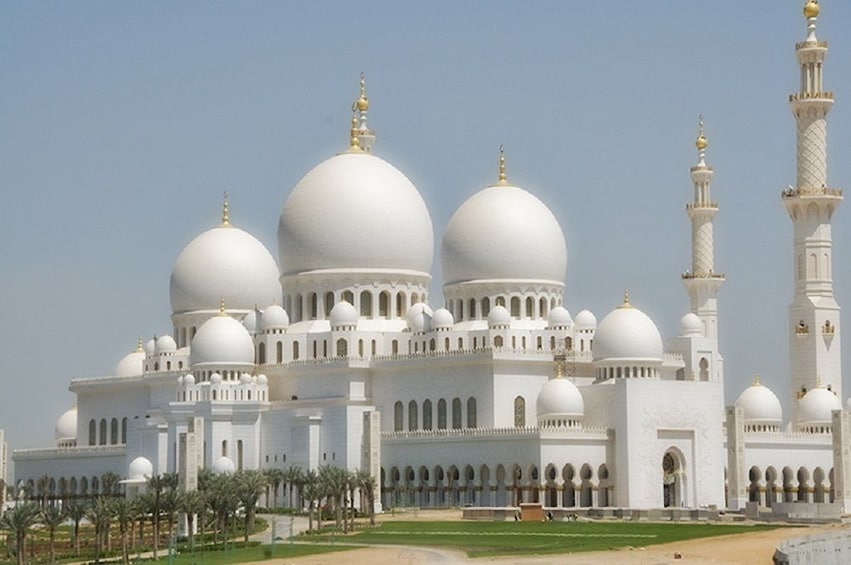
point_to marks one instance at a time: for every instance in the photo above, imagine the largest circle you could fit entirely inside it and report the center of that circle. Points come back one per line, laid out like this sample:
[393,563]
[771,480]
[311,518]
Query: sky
[123,122]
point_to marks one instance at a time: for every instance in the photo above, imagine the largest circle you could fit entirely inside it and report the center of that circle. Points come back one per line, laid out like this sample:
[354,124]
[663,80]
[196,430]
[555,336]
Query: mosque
[333,355]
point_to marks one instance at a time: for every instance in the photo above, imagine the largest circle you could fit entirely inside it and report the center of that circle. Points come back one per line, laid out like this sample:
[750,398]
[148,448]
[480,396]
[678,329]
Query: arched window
[471,412]
[124,430]
[297,310]
[500,301]
[224,448]
[261,353]
[113,431]
[394,347]
[102,432]
[279,352]
[239,454]
[427,415]
[441,414]
[349,297]
[93,432]
[497,341]
[360,348]
[324,348]
[342,348]
[329,303]
[366,303]
[486,306]
[515,307]
[431,345]
[373,347]
[704,369]
[471,311]
[314,306]
[384,304]
[295,350]
[413,418]
[530,307]
[446,343]
[398,416]
[456,413]
[542,306]
[519,412]
[400,304]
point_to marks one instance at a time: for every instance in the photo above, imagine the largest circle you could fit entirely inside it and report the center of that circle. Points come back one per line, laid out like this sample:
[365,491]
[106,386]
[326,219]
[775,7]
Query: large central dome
[355,212]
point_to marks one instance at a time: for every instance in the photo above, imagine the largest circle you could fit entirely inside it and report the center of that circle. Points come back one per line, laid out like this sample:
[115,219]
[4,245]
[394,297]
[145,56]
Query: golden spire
[626,303]
[756,380]
[700,142]
[139,346]
[818,382]
[503,178]
[362,104]
[811,9]
[354,142]
[222,307]
[559,359]
[225,215]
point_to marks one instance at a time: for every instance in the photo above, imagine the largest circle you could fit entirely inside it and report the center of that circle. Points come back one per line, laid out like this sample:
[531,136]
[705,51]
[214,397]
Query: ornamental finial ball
[811,9]
[362,103]
[701,142]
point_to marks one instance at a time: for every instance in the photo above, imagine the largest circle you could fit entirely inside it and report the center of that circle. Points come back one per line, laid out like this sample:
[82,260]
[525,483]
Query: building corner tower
[814,313]
[702,282]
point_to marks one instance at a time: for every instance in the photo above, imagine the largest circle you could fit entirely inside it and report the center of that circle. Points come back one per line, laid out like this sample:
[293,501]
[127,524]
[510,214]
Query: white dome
[224,263]
[139,469]
[503,233]
[559,317]
[151,347]
[585,320]
[66,425]
[498,316]
[419,318]
[816,407]
[166,344]
[189,379]
[343,314]
[442,319]
[262,379]
[215,379]
[223,466]
[274,318]
[760,405]
[355,211]
[691,325]
[131,365]
[627,333]
[245,379]
[224,341]
[250,321]
[560,397]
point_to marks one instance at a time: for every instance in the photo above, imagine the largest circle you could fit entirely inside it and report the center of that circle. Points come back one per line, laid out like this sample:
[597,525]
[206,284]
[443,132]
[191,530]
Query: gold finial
[139,346]
[362,104]
[225,214]
[503,177]
[700,142]
[222,307]
[354,142]
[756,380]
[818,382]
[811,9]
[626,303]
[559,359]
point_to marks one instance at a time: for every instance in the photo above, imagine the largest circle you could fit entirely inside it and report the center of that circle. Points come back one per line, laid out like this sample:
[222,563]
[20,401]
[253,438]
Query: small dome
[250,321]
[66,425]
[343,314]
[189,379]
[140,469]
[498,317]
[560,398]
[223,466]
[627,333]
[223,263]
[419,318]
[516,219]
[262,379]
[222,340]
[759,405]
[691,325]
[245,379]
[151,347]
[442,319]
[816,407]
[215,379]
[166,344]
[585,320]
[131,365]
[340,214]
[274,318]
[180,380]
[559,317]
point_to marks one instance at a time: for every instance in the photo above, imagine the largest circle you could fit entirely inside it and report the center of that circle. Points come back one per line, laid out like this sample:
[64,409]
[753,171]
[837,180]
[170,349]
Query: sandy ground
[745,548]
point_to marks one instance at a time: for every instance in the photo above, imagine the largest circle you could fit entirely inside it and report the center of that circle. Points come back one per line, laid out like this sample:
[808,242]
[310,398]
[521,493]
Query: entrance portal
[672,480]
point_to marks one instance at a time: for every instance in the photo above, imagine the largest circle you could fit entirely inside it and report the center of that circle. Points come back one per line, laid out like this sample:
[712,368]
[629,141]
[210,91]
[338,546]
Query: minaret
[366,137]
[814,313]
[702,282]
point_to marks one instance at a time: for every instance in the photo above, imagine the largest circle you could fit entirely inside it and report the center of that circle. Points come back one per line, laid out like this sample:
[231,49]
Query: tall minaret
[814,313]
[702,282]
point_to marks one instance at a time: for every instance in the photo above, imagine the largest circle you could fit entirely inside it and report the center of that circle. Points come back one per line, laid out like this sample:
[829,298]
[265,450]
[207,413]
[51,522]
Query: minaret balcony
[689,275]
[702,205]
[802,96]
[807,191]
[810,44]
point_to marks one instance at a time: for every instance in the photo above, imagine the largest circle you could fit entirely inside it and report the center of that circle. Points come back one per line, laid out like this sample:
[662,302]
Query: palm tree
[125,513]
[366,484]
[192,503]
[153,505]
[222,500]
[294,478]
[100,514]
[336,482]
[312,490]
[274,478]
[19,520]
[52,517]
[169,504]
[109,483]
[42,485]
[249,487]
[76,510]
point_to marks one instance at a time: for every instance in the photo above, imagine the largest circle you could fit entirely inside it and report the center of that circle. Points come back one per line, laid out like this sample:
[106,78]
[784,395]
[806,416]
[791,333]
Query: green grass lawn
[248,554]
[481,539]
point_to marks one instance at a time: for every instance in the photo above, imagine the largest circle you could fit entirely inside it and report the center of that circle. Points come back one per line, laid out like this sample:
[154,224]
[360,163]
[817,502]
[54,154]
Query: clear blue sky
[122,123]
